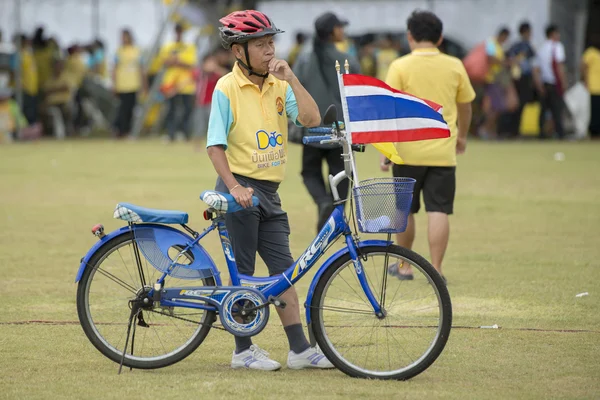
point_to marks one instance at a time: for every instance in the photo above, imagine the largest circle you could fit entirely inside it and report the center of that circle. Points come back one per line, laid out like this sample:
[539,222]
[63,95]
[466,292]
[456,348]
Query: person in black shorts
[429,74]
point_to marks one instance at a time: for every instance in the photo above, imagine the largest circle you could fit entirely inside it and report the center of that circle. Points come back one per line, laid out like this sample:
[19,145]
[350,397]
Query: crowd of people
[61,87]
[65,90]
[50,79]
[512,79]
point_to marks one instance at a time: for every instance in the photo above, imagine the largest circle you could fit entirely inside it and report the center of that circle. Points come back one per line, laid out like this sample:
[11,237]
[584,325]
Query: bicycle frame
[274,286]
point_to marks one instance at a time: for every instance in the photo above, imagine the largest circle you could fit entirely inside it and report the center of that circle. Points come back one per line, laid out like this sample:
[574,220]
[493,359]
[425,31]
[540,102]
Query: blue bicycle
[148,294]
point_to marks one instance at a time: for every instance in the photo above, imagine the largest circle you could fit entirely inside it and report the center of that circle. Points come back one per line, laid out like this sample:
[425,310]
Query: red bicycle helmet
[242,26]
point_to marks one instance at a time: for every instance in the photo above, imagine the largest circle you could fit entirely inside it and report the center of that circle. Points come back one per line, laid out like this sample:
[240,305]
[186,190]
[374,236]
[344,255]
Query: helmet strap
[248,67]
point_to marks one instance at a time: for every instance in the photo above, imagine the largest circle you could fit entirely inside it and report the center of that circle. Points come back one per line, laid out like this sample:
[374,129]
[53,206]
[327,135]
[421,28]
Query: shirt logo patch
[265,140]
[279,104]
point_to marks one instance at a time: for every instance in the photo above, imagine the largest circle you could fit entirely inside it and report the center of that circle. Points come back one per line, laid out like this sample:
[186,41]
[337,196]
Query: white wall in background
[465,21]
[71,20]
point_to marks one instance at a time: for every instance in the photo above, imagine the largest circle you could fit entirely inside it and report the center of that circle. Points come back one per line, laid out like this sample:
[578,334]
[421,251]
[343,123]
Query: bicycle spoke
[348,301]
[369,348]
[118,281]
[347,310]
[125,265]
[355,292]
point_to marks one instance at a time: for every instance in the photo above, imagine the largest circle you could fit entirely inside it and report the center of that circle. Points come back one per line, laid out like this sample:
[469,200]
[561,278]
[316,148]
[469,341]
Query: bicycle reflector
[98,230]
[208,215]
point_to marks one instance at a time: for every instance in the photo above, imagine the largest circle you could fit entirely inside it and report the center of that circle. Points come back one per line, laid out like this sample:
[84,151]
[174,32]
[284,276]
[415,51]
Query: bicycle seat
[133,213]
[223,202]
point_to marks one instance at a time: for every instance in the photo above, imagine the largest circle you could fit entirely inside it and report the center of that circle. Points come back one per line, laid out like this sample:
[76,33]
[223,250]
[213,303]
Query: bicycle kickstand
[135,311]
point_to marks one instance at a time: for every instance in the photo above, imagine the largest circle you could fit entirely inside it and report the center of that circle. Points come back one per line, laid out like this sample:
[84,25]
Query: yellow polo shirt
[383,60]
[252,124]
[128,69]
[76,70]
[591,58]
[181,78]
[434,76]
[29,73]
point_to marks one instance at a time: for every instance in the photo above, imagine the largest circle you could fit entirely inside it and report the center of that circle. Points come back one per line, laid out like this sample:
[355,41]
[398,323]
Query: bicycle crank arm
[276,301]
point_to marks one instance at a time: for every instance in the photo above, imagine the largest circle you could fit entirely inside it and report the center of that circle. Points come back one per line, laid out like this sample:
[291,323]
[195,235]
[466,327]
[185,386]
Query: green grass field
[524,242]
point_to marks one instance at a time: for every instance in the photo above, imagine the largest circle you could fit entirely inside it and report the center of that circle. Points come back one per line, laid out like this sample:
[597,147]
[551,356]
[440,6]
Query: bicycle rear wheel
[164,335]
[400,345]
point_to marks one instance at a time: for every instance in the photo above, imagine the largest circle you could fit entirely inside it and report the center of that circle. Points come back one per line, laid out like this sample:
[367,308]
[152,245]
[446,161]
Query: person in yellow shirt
[75,67]
[247,144]
[367,58]
[76,70]
[43,54]
[590,65]
[494,102]
[384,55]
[128,81]
[29,80]
[59,93]
[179,85]
[429,74]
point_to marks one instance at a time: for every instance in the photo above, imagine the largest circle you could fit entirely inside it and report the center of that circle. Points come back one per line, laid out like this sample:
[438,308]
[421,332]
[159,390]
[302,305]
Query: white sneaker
[254,358]
[309,358]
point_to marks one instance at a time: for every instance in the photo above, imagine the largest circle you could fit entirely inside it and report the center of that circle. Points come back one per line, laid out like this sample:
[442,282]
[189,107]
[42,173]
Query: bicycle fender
[327,264]
[125,229]
[94,249]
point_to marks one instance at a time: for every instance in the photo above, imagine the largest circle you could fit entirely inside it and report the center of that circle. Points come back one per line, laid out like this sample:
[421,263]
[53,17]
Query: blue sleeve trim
[220,121]
[291,106]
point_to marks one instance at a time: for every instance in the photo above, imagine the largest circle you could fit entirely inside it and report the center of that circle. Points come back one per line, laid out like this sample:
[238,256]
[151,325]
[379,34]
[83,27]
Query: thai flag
[377,113]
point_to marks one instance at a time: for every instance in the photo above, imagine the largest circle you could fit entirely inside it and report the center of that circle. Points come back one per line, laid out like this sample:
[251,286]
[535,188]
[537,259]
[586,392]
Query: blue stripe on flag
[377,107]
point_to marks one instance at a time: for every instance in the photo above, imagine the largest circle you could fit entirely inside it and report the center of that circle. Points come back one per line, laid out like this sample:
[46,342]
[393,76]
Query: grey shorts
[264,229]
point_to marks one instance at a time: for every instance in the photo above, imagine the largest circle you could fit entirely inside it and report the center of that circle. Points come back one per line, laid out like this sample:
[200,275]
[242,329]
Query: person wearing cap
[247,144]
[315,69]
[178,84]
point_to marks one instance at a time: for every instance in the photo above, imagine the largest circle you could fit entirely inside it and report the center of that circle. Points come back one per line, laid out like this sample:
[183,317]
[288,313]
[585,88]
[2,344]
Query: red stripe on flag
[363,80]
[399,136]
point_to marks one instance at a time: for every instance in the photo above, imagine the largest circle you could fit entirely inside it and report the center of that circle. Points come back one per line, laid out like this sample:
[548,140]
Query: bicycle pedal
[277,302]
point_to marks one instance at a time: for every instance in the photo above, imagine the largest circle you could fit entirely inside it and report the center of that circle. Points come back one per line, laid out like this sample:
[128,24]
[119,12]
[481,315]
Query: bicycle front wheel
[403,342]
[163,335]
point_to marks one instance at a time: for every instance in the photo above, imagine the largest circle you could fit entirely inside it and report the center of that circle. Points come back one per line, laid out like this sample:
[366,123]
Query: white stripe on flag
[364,90]
[400,124]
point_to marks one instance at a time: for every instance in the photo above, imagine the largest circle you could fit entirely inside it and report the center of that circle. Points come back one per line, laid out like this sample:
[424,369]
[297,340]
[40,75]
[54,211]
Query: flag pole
[346,117]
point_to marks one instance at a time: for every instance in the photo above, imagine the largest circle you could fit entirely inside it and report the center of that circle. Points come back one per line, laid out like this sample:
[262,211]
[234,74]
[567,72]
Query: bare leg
[406,238]
[438,235]
[290,315]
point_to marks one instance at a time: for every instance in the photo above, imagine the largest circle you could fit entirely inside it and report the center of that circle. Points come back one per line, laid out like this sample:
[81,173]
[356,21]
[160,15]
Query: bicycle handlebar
[321,130]
[315,139]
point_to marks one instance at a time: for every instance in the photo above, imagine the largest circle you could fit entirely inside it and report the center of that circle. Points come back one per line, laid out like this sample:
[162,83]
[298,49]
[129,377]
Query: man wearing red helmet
[247,144]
